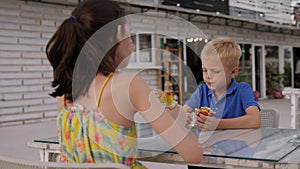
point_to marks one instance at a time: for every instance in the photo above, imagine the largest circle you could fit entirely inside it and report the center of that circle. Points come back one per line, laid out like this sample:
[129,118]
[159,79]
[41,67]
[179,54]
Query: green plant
[277,82]
[287,74]
[240,78]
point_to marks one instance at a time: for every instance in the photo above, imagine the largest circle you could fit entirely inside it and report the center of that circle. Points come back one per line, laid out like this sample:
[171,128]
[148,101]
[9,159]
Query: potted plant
[276,86]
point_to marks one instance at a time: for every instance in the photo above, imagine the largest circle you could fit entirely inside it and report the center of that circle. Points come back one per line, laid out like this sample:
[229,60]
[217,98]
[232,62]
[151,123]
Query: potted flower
[276,86]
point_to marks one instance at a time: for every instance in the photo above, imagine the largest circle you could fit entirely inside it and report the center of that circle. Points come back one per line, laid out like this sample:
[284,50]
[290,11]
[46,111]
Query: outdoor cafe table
[260,148]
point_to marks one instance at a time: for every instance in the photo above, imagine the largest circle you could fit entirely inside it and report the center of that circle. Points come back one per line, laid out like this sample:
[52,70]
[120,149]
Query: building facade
[269,50]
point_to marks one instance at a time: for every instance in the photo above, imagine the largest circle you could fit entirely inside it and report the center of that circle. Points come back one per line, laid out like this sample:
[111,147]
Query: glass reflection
[266,144]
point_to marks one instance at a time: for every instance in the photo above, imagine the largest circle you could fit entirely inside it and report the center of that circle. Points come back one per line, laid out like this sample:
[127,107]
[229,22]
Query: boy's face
[216,75]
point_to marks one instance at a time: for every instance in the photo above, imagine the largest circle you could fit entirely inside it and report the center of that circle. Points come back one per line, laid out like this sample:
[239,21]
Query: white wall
[25,73]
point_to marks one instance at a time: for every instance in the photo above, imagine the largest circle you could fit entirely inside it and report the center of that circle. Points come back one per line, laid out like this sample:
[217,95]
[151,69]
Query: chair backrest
[11,163]
[269,118]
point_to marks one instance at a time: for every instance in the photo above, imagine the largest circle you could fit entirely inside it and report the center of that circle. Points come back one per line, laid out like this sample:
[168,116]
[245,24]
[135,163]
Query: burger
[205,111]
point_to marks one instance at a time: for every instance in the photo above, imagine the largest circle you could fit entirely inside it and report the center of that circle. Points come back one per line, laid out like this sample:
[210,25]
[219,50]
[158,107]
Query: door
[245,65]
[273,76]
[286,66]
[258,71]
[296,64]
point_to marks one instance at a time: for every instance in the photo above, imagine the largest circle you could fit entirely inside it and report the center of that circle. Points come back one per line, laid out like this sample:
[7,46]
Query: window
[143,52]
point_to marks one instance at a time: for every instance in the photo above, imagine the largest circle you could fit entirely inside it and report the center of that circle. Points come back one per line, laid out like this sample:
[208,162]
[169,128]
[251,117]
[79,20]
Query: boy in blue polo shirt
[232,101]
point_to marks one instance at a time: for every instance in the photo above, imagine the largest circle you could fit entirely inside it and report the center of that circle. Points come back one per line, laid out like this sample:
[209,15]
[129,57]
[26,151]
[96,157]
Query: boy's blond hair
[226,49]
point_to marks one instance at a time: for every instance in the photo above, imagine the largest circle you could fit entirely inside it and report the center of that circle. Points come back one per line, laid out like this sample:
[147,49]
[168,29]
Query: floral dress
[86,136]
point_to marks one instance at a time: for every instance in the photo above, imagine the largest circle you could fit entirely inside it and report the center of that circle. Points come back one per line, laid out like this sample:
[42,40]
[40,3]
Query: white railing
[294,95]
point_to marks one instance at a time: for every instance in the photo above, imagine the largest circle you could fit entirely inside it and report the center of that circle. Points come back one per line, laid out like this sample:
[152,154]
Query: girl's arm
[59,104]
[171,128]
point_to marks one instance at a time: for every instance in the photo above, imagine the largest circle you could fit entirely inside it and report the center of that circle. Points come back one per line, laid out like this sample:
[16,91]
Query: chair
[269,118]
[11,163]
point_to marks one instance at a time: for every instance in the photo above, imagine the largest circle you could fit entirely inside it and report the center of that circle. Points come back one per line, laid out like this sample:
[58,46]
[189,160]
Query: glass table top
[265,144]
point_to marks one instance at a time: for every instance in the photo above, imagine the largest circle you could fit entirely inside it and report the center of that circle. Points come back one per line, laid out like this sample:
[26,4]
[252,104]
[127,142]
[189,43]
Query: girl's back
[98,133]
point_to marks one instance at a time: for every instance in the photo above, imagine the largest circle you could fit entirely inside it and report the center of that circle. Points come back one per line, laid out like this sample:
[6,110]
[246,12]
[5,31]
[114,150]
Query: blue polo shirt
[238,97]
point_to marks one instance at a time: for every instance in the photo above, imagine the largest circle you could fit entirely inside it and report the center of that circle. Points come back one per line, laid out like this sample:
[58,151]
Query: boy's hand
[206,123]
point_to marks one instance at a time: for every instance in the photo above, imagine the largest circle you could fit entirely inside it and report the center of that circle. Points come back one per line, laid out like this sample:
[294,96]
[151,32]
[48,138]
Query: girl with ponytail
[96,102]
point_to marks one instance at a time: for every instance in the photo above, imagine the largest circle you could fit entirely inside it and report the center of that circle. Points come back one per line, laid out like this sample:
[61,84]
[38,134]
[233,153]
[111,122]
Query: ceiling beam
[211,18]
[56,2]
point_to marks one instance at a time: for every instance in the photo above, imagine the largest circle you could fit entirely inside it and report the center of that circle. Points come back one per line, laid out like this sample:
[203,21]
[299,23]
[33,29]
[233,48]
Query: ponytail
[67,42]
[62,51]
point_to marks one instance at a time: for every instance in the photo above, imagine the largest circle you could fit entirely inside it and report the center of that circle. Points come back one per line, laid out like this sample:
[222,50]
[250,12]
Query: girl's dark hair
[65,46]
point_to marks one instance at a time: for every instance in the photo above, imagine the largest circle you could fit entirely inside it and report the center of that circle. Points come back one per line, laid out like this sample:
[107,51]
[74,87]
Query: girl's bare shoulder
[130,78]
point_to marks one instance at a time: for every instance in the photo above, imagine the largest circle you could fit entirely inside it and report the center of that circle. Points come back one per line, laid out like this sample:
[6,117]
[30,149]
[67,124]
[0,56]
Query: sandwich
[205,111]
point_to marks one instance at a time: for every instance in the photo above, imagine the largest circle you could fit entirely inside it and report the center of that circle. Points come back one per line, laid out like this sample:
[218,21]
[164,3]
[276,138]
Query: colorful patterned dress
[86,136]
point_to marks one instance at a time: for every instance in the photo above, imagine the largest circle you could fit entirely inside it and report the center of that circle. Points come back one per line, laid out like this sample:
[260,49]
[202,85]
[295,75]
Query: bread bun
[205,111]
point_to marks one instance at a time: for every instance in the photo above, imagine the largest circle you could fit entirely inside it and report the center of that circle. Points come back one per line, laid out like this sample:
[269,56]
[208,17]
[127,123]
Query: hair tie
[73,18]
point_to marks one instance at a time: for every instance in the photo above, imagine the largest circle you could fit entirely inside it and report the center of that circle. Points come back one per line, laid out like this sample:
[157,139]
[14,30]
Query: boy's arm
[192,102]
[250,120]
[252,117]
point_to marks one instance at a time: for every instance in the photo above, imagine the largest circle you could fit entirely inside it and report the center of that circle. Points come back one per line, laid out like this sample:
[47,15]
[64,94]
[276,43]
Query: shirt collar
[231,88]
